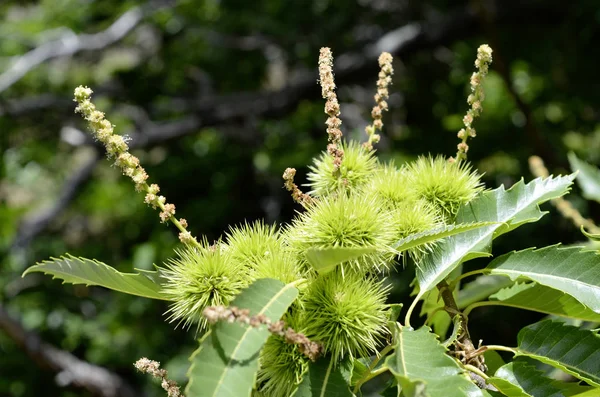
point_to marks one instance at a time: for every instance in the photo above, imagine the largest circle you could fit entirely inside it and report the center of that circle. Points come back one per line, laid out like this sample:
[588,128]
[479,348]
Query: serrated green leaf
[420,360]
[519,379]
[324,379]
[508,208]
[226,362]
[588,178]
[89,272]
[324,260]
[542,299]
[571,270]
[573,350]
[481,288]
[438,233]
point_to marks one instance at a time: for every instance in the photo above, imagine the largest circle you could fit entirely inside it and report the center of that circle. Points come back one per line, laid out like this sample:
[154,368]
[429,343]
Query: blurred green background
[218,97]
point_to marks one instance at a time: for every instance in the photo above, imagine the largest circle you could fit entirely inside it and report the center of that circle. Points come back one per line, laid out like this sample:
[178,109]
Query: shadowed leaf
[573,350]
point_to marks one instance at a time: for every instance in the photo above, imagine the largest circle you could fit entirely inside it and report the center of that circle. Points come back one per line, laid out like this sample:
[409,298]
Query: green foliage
[226,362]
[422,368]
[509,208]
[481,288]
[89,272]
[519,379]
[539,298]
[568,269]
[437,233]
[571,349]
[326,274]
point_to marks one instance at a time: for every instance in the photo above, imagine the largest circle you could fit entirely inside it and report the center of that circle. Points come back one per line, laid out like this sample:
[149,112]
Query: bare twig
[69,45]
[70,369]
[464,347]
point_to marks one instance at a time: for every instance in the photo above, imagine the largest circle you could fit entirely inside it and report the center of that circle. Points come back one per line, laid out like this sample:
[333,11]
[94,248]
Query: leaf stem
[410,310]
[454,282]
[512,350]
[464,338]
[479,304]
[476,370]
[433,313]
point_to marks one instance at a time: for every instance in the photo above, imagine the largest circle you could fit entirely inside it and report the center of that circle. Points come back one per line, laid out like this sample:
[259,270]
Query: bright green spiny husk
[356,220]
[201,277]
[346,313]
[409,214]
[392,185]
[443,184]
[282,364]
[357,167]
[260,248]
[415,217]
[250,243]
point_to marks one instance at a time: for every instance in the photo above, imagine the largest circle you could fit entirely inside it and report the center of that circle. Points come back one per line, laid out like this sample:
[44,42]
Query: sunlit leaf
[89,272]
[422,367]
[226,362]
[324,260]
[438,233]
[571,349]
[509,208]
[542,299]
[568,269]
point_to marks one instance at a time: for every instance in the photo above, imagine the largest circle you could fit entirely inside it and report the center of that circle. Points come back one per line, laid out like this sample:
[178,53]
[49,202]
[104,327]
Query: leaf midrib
[548,275]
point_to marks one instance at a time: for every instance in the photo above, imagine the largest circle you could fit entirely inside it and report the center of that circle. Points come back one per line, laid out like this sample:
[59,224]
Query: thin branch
[70,369]
[223,109]
[70,44]
[463,343]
